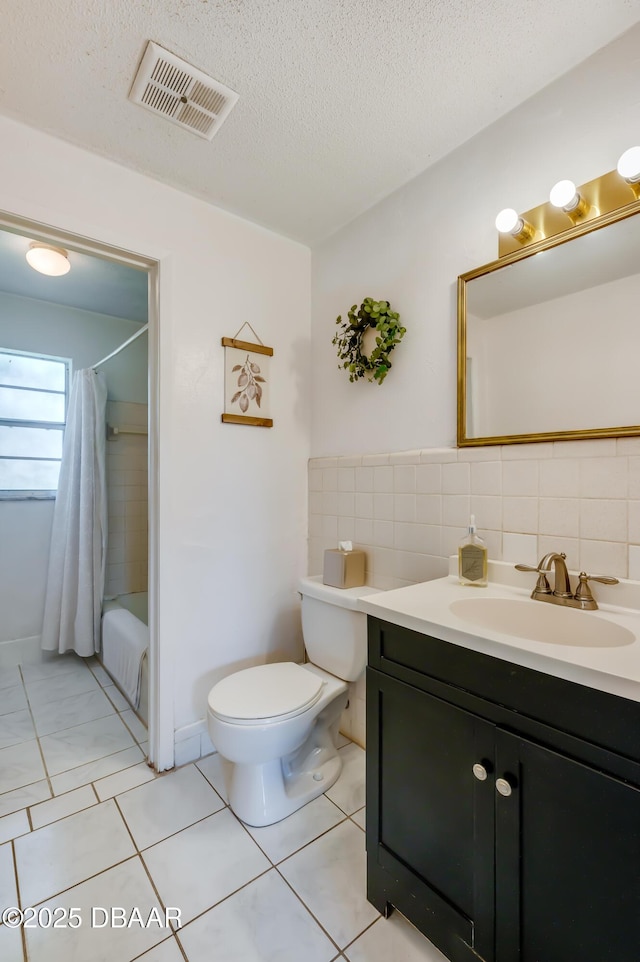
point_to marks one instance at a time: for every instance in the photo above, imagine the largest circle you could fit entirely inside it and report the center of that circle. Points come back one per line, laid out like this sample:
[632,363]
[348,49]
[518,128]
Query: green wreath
[374,314]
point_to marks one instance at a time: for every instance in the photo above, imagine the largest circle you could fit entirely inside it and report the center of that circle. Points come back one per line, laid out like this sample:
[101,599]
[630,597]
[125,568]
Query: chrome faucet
[562,593]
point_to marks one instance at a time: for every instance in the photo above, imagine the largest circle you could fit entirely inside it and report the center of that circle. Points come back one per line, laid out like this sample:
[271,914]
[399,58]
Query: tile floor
[84,823]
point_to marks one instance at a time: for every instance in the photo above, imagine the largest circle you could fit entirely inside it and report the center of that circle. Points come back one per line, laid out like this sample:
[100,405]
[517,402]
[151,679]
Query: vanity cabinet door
[430,820]
[567,859]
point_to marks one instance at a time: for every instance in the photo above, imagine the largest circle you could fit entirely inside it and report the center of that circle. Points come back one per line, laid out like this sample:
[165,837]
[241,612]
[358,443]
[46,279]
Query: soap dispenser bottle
[472,558]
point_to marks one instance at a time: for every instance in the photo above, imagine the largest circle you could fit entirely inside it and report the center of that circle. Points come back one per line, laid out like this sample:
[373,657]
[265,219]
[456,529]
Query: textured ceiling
[341,101]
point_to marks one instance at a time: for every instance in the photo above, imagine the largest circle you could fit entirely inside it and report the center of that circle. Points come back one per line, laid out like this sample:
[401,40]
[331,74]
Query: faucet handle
[542,585]
[583,591]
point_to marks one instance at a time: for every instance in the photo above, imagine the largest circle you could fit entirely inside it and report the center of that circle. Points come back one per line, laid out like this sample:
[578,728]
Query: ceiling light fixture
[509,221]
[565,197]
[52,261]
[629,168]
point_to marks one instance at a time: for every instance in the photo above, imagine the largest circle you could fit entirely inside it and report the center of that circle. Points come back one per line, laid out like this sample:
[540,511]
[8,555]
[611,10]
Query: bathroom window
[33,407]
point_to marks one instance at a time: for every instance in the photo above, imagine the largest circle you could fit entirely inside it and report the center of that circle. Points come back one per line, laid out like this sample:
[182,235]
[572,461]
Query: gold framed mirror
[549,337]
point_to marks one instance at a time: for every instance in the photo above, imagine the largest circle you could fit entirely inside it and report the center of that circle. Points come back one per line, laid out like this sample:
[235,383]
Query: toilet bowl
[276,724]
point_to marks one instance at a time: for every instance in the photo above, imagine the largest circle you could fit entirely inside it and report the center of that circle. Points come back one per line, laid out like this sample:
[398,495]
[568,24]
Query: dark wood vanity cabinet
[534,854]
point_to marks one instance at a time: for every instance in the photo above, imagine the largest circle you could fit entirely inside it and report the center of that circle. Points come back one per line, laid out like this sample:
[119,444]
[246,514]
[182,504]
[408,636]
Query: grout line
[37,739]
[18,898]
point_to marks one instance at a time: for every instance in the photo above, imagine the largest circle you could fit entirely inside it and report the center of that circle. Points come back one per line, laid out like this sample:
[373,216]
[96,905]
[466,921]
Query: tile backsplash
[127,552]
[408,511]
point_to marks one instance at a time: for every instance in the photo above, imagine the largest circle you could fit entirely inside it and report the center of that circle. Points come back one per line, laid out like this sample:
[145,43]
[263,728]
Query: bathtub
[138,606]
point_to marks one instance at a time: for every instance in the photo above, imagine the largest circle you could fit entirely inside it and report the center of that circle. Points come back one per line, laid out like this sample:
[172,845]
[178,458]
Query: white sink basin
[543,622]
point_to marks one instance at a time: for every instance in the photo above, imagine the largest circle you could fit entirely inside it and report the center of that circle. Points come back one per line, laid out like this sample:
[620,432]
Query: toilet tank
[334,631]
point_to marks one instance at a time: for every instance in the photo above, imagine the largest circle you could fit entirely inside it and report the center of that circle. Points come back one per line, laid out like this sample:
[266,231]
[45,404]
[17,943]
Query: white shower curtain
[75,581]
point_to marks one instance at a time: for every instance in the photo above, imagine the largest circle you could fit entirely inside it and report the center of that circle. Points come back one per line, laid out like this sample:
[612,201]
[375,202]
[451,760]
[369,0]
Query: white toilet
[276,724]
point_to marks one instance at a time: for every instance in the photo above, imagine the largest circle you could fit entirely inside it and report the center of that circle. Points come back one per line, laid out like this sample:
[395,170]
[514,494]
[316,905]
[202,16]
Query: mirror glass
[550,342]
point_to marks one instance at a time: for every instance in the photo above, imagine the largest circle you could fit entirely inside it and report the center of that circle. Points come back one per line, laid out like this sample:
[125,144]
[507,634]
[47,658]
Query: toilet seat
[265,693]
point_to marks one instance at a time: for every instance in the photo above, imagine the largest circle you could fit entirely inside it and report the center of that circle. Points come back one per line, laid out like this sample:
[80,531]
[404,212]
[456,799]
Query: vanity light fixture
[509,221]
[53,261]
[565,197]
[629,169]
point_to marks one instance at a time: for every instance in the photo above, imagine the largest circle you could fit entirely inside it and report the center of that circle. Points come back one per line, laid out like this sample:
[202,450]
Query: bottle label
[472,562]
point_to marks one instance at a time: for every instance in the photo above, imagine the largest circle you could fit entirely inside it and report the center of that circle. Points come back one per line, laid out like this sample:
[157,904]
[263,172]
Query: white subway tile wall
[409,512]
[127,551]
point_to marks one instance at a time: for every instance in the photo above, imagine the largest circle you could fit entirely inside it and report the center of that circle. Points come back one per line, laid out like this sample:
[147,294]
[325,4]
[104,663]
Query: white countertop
[425,608]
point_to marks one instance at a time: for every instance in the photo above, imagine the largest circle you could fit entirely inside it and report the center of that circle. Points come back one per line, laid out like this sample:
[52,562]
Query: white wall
[410,248]
[232,512]
[29,324]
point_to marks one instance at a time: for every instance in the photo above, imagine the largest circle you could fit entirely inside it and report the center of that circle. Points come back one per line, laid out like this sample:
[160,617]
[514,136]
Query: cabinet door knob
[503,787]
[480,772]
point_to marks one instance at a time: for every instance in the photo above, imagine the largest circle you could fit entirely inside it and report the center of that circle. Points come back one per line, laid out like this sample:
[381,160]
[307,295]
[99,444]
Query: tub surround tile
[167,805]
[263,922]
[20,765]
[85,743]
[15,728]
[393,938]
[293,833]
[84,774]
[62,806]
[74,849]
[204,863]
[11,826]
[23,797]
[329,877]
[55,716]
[130,883]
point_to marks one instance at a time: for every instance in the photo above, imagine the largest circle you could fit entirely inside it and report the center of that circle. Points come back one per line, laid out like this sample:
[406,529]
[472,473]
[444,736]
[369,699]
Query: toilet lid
[266,691]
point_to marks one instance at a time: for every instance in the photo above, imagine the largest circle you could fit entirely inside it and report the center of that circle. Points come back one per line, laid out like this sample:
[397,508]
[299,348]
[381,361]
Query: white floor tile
[11,826]
[117,699]
[9,677]
[53,665]
[23,797]
[54,858]
[204,863]
[94,770]
[20,765]
[167,951]
[263,922]
[16,728]
[329,876]
[8,891]
[55,716]
[60,686]
[13,699]
[123,781]
[213,769]
[85,743]
[125,885]
[393,938]
[63,805]
[286,837]
[10,945]
[348,793]
[167,805]
[135,726]
[101,676]
[360,819]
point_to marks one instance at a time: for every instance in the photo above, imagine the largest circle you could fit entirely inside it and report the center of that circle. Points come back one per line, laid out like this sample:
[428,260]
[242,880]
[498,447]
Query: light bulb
[52,261]
[564,195]
[629,165]
[508,221]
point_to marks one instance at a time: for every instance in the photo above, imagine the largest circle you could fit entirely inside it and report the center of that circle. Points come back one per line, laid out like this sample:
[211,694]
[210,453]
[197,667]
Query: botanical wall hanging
[246,381]
[383,324]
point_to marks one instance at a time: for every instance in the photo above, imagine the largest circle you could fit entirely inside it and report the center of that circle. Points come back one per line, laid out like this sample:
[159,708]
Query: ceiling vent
[183,94]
